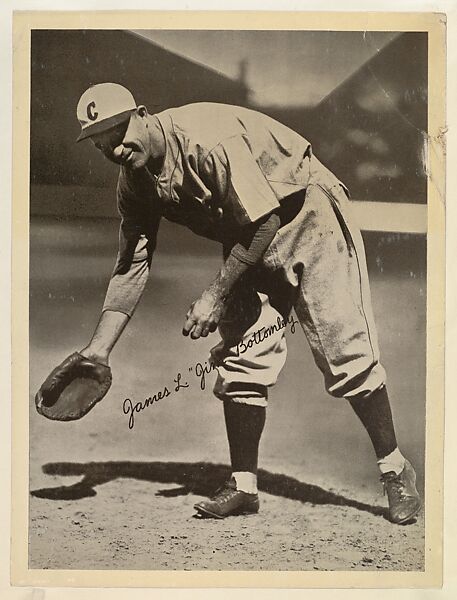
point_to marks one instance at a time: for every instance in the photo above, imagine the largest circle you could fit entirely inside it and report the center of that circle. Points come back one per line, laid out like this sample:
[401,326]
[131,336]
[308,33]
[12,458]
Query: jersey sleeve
[137,241]
[238,181]
[139,219]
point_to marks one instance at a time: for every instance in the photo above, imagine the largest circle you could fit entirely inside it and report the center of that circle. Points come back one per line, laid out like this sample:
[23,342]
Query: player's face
[127,143]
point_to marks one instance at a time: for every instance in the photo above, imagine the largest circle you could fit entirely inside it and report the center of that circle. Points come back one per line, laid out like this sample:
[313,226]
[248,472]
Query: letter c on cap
[91,113]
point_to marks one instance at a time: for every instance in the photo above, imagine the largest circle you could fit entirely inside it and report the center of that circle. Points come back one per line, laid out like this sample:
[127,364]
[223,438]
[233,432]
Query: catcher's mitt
[73,388]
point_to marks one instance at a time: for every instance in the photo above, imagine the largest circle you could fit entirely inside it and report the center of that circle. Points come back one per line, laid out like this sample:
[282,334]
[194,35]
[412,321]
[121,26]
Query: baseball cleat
[403,497]
[228,501]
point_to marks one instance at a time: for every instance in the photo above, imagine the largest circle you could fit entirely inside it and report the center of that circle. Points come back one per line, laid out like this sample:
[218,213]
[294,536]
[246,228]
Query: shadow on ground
[199,478]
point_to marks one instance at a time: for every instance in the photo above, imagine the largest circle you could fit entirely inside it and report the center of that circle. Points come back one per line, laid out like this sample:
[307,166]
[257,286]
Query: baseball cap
[102,107]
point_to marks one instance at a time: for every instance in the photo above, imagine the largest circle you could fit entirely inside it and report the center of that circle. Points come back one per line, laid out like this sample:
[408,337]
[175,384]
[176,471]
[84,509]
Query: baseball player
[289,242]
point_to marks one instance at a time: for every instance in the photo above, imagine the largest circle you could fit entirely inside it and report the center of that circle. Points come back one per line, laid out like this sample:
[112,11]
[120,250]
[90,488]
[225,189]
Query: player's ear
[142,111]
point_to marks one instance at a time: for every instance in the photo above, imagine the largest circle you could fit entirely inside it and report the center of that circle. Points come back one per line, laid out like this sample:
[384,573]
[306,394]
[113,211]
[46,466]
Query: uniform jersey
[224,167]
[229,159]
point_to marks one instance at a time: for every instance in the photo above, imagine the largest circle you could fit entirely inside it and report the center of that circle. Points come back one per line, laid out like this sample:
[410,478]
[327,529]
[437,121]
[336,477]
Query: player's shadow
[200,479]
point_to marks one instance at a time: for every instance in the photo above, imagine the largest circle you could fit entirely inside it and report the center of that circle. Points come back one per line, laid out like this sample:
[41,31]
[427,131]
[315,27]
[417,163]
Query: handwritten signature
[265,332]
[129,408]
[200,370]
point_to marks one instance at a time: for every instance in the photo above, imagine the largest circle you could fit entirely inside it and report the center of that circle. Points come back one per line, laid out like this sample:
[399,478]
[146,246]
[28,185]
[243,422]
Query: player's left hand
[204,315]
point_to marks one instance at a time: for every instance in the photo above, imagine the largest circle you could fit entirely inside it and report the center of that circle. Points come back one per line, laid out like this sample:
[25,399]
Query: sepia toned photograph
[228,301]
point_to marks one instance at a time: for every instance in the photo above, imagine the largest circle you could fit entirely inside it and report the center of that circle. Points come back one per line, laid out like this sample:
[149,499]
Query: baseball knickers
[315,264]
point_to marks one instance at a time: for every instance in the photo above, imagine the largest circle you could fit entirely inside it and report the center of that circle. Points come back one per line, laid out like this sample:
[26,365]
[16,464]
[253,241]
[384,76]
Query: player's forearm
[204,315]
[244,254]
[227,276]
[107,332]
[126,288]
[124,293]
[122,297]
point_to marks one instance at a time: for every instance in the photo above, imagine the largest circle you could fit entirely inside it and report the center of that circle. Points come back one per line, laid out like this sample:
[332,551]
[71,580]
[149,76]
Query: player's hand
[204,315]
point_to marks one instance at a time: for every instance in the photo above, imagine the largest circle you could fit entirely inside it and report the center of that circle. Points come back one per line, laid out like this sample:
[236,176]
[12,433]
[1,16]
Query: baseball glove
[73,388]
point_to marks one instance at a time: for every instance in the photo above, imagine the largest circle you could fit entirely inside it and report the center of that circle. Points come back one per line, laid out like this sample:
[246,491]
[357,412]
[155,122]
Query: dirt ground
[104,496]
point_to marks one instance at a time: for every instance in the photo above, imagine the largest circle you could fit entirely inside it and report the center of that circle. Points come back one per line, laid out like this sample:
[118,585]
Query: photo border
[434,24]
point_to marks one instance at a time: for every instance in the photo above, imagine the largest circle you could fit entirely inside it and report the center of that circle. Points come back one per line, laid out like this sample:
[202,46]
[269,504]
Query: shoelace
[397,487]
[225,493]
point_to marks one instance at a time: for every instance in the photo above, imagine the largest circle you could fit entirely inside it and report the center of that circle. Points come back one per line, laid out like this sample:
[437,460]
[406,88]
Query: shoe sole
[209,513]
[409,517]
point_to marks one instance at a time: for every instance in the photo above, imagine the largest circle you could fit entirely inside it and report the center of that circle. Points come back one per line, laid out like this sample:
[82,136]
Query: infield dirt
[104,496]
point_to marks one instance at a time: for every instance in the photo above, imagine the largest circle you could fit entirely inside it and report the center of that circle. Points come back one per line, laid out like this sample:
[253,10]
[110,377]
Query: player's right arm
[109,328]
[137,241]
